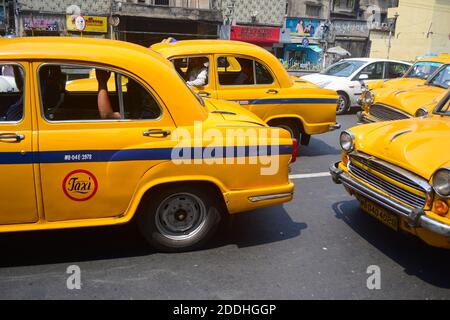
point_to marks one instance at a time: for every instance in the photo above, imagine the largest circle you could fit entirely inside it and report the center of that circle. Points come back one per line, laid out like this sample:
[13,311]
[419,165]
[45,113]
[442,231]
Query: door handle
[272,91]
[204,94]
[157,133]
[11,137]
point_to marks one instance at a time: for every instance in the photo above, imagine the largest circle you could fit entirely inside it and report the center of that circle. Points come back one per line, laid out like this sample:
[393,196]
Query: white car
[346,76]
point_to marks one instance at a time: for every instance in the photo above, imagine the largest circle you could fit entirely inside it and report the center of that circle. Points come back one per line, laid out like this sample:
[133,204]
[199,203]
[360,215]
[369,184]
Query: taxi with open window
[400,173]
[130,150]
[414,96]
[254,78]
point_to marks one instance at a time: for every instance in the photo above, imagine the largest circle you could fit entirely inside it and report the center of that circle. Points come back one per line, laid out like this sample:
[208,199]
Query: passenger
[246,75]
[104,103]
[197,74]
[15,112]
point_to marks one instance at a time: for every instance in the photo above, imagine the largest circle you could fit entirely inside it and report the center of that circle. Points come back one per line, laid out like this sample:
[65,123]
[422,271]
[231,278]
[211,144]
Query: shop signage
[301,27]
[257,35]
[40,24]
[92,24]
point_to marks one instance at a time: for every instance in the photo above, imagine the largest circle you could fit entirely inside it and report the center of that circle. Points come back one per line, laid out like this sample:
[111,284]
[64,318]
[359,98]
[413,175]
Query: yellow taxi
[417,75]
[407,98]
[400,173]
[71,159]
[253,77]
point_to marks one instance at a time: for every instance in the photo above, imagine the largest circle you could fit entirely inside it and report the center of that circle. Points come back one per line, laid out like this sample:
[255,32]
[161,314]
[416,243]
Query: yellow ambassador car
[253,77]
[71,159]
[396,103]
[400,173]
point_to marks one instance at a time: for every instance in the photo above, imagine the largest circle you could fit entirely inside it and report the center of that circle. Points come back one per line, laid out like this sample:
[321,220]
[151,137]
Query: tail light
[294,150]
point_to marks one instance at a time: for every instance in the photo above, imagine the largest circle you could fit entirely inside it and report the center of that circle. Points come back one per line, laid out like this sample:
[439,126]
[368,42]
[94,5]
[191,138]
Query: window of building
[312,10]
[241,71]
[12,86]
[85,93]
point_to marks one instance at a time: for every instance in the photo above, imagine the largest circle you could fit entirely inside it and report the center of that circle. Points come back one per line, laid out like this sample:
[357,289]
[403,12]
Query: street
[319,246]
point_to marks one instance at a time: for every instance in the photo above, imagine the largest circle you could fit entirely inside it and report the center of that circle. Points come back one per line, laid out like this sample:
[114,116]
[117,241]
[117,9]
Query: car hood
[410,99]
[320,79]
[399,83]
[303,83]
[419,145]
[231,111]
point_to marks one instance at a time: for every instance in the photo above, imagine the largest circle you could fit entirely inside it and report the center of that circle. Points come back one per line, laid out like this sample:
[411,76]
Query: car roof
[369,60]
[118,54]
[442,58]
[198,47]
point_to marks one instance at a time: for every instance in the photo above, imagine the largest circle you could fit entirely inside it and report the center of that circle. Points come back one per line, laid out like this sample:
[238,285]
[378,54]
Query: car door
[91,160]
[374,71]
[247,81]
[17,187]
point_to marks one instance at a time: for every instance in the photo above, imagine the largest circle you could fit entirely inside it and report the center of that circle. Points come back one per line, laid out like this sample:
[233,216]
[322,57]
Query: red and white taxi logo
[80,185]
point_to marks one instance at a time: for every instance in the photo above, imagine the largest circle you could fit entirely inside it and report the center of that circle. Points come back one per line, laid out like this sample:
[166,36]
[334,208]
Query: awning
[263,36]
[314,48]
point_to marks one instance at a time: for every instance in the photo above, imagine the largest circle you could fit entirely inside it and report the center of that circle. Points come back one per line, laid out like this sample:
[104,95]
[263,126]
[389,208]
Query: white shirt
[198,77]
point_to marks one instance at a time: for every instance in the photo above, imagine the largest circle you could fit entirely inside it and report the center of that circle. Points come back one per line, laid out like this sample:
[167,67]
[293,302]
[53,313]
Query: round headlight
[421,113]
[347,141]
[441,182]
[369,97]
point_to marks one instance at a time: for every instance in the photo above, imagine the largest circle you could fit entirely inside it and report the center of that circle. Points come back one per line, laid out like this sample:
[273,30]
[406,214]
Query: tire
[186,228]
[343,104]
[289,125]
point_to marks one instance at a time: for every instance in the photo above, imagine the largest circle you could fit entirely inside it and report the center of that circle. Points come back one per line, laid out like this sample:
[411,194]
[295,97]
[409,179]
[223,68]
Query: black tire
[343,104]
[158,219]
[288,124]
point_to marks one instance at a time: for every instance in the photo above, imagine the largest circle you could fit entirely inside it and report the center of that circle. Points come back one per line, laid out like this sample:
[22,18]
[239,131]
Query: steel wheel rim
[342,104]
[180,216]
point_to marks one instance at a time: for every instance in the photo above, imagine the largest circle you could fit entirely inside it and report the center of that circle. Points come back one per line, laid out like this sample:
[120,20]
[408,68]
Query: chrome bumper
[363,119]
[335,126]
[416,217]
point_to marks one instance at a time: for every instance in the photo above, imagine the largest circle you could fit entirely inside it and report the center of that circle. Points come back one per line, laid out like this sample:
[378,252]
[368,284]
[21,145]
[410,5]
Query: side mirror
[364,76]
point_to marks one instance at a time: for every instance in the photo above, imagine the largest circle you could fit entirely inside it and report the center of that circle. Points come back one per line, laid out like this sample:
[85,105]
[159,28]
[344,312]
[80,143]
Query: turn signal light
[441,207]
[344,158]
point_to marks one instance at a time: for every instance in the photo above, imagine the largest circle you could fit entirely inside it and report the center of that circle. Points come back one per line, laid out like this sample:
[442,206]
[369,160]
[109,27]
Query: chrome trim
[335,126]
[353,140]
[270,197]
[422,109]
[363,119]
[224,112]
[393,109]
[12,136]
[416,217]
[397,135]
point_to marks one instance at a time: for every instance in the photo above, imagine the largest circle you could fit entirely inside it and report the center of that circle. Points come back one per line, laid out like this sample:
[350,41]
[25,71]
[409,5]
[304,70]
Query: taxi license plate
[379,213]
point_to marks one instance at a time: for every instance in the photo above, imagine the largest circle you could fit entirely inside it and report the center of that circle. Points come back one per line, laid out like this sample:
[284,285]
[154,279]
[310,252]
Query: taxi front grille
[409,198]
[385,113]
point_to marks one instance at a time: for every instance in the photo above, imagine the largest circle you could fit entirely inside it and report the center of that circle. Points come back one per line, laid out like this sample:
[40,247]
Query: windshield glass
[344,68]
[442,78]
[444,109]
[422,69]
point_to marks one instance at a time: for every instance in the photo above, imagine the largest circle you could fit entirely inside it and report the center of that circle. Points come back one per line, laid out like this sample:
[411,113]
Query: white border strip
[309,175]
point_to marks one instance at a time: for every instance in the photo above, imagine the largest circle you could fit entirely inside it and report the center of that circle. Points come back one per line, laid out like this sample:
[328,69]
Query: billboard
[303,27]
[93,24]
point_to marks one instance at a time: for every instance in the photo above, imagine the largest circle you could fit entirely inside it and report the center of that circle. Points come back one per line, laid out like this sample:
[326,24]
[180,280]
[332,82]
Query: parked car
[253,77]
[345,77]
[399,172]
[72,159]
[417,75]
[386,104]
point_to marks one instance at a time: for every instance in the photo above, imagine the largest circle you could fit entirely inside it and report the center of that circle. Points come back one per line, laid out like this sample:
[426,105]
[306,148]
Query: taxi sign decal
[80,185]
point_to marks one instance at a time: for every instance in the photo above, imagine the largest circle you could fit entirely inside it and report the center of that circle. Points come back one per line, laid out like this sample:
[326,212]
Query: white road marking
[309,175]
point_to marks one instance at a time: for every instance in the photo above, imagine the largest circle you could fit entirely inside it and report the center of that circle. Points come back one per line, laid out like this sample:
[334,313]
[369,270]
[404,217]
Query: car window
[442,78]
[242,71]
[396,70]
[194,70]
[11,92]
[343,68]
[423,69]
[84,93]
[373,71]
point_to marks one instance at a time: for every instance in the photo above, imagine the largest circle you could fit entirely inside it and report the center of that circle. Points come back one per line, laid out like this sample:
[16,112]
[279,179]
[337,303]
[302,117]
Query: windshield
[423,69]
[344,68]
[442,78]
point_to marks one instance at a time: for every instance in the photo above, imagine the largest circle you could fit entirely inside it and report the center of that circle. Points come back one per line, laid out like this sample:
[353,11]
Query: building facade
[410,37]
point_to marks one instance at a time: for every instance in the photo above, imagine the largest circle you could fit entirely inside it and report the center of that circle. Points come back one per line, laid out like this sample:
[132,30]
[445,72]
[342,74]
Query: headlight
[441,182]
[421,113]
[369,97]
[347,141]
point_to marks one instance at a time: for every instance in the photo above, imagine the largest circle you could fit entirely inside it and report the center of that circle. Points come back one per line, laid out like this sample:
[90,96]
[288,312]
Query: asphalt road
[318,246]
